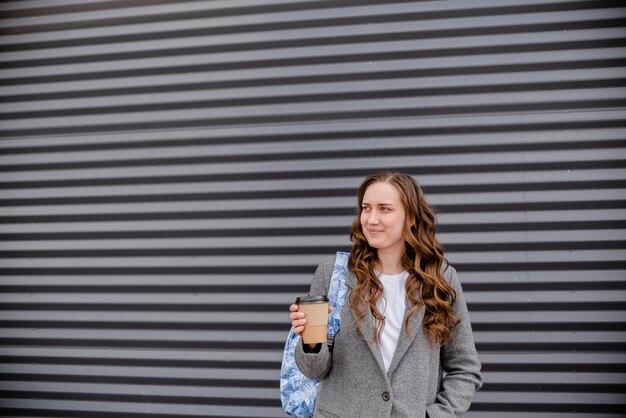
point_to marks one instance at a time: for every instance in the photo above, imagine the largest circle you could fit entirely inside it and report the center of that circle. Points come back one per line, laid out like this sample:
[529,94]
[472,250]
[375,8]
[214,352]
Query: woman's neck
[389,262]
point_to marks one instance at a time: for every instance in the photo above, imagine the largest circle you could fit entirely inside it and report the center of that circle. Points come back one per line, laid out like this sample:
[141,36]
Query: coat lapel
[367,328]
[405,340]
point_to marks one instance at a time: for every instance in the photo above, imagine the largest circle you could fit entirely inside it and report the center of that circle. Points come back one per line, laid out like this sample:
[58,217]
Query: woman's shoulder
[323,274]
[449,272]
[326,266]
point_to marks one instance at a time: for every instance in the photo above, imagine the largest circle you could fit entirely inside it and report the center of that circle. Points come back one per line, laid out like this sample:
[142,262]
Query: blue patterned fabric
[298,392]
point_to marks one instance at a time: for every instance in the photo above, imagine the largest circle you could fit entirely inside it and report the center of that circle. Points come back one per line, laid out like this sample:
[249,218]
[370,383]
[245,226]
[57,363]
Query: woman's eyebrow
[377,204]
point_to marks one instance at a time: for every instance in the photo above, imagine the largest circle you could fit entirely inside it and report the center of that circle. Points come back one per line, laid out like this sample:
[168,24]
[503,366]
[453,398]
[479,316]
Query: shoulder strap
[337,293]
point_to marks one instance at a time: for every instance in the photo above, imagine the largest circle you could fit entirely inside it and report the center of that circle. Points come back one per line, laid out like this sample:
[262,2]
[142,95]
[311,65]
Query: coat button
[386,396]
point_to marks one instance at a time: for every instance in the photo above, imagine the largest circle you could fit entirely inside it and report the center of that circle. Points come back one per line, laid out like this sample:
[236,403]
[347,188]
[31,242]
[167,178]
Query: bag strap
[337,294]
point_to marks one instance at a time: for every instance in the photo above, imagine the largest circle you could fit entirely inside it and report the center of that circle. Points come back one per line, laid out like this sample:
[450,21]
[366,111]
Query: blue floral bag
[298,392]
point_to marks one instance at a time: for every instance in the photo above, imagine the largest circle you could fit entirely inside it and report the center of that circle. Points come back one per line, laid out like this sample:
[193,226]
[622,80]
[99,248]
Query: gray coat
[423,380]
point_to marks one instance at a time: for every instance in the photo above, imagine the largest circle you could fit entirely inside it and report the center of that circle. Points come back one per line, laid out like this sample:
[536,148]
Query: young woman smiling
[405,347]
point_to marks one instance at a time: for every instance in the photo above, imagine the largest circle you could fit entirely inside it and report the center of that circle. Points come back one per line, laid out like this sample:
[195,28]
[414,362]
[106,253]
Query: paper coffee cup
[315,310]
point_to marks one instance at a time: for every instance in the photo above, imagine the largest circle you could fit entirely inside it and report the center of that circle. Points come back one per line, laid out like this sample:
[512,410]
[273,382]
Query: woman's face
[383,217]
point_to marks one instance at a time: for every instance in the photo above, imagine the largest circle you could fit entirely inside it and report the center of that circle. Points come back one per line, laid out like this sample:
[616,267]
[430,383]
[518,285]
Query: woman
[405,347]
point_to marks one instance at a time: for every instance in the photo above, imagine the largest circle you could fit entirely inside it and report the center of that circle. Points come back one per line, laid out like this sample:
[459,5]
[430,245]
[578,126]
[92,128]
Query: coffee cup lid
[311,299]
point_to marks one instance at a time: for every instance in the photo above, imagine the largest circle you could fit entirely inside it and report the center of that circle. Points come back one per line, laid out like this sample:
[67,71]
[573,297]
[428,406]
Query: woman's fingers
[298,326]
[296,315]
[297,319]
[298,323]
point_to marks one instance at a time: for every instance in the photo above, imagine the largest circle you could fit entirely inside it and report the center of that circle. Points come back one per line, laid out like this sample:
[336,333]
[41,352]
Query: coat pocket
[321,413]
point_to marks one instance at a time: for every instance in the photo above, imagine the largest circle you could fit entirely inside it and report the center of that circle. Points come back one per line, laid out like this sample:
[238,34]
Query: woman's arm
[460,362]
[312,363]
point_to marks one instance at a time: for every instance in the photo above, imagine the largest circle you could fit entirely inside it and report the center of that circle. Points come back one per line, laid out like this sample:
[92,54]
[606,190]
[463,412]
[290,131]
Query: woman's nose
[373,218]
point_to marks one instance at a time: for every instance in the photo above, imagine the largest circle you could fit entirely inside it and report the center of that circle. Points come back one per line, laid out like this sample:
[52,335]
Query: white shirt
[392,306]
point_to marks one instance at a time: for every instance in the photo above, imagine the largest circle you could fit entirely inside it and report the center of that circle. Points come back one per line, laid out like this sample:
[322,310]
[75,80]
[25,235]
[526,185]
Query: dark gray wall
[172,172]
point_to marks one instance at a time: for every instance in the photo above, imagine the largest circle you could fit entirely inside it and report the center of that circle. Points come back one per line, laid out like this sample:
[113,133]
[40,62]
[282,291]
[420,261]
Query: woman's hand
[298,321]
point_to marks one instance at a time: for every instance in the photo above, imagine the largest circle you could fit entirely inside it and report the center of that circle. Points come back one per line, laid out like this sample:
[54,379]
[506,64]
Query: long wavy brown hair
[423,259]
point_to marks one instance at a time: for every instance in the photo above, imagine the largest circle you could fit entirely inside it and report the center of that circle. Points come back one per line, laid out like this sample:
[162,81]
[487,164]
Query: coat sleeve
[317,365]
[459,361]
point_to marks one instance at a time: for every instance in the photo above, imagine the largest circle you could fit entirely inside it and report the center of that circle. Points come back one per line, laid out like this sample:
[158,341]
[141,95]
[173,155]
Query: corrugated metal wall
[172,172]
